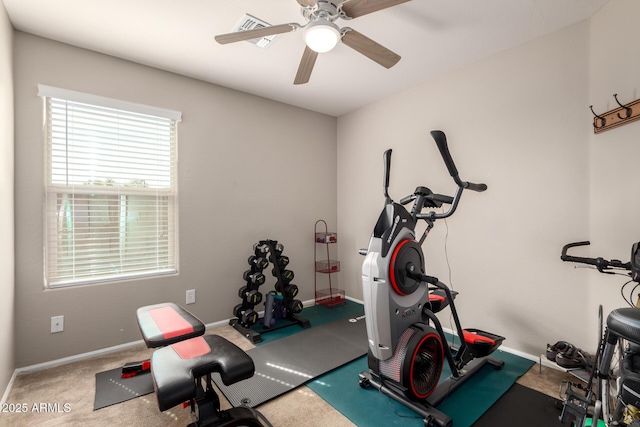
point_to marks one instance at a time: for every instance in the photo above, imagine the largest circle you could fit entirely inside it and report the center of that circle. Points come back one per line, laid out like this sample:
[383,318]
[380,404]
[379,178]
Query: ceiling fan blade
[306,66]
[370,49]
[254,34]
[356,8]
[307,3]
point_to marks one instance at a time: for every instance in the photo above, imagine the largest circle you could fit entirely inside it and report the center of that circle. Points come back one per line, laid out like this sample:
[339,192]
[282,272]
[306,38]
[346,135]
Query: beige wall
[519,122]
[614,202]
[249,169]
[6,201]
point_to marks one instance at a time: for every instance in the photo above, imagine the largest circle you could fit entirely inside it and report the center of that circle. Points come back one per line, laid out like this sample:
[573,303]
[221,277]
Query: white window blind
[111,192]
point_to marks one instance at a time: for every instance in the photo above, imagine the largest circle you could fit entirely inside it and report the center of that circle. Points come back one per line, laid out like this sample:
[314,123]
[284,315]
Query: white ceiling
[431,36]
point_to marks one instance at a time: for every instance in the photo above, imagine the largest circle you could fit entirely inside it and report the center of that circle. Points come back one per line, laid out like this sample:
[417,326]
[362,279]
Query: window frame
[54,190]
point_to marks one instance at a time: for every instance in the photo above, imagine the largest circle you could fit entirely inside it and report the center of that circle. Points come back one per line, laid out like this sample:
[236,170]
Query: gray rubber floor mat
[111,388]
[289,362]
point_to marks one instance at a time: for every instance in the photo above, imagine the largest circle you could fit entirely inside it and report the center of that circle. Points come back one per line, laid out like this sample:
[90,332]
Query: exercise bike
[407,345]
[610,405]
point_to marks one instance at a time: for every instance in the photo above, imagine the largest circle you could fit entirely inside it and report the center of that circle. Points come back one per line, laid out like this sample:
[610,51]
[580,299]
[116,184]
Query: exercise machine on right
[611,396]
[407,344]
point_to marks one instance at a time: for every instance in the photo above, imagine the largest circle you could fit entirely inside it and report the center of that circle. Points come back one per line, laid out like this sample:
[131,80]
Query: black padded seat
[175,368]
[167,323]
[625,323]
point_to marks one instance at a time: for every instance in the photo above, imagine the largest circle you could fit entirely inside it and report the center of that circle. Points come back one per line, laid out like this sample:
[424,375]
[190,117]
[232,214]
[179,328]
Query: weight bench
[162,325]
[187,357]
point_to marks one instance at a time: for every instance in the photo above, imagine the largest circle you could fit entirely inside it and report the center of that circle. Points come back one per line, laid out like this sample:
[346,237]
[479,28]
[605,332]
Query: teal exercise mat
[369,407]
[317,315]
[288,362]
[112,389]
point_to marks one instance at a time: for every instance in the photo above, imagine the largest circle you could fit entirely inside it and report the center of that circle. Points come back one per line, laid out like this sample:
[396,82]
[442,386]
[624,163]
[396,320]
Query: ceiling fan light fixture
[321,35]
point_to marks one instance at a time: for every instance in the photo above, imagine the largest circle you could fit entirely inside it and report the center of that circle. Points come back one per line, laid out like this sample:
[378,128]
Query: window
[111,190]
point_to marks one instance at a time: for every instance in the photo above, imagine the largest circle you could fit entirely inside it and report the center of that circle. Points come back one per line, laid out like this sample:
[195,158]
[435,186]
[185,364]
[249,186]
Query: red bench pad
[167,323]
[175,369]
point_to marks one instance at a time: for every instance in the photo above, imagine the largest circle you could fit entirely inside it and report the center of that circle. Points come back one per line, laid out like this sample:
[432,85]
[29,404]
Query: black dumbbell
[283,261]
[255,278]
[258,263]
[249,317]
[286,276]
[290,291]
[242,291]
[237,311]
[246,316]
[253,297]
[295,306]
[260,248]
[279,247]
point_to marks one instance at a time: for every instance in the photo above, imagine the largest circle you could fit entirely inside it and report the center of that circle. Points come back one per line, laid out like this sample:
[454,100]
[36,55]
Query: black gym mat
[523,407]
[289,362]
[112,389]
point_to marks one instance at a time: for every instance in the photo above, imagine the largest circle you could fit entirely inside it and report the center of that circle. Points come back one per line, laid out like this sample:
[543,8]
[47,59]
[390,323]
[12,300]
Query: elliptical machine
[407,345]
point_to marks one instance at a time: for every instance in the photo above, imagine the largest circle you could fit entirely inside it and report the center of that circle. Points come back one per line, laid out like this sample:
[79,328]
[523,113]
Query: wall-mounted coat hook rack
[617,117]
[603,121]
[627,111]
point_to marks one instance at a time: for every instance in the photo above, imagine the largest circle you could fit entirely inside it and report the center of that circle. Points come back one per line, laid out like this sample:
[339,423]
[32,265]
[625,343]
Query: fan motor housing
[324,9]
[416,364]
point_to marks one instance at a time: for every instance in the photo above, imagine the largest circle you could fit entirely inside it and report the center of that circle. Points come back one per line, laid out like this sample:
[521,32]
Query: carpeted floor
[68,392]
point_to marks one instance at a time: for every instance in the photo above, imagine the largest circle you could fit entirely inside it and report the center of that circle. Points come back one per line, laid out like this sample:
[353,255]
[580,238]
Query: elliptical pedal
[482,342]
[438,300]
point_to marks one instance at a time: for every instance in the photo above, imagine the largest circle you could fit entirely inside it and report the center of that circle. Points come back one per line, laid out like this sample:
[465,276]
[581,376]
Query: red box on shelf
[326,237]
[330,297]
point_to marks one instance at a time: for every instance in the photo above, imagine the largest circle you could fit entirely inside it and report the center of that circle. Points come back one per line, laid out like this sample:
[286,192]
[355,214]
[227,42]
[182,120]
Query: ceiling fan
[321,34]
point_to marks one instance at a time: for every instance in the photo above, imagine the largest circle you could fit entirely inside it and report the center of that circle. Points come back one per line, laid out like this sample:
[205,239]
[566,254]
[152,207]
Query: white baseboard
[5,396]
[76,358]
[354,300]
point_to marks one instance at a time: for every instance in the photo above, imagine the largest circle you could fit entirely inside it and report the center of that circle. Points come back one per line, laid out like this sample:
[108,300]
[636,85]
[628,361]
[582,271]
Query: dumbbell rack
[285,307]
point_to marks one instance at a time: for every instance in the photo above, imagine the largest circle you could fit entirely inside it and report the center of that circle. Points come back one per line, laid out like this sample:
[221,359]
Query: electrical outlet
[57,324]
[191,296]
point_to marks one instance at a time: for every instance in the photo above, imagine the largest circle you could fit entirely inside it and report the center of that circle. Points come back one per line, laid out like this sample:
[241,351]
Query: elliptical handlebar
[436,198]
[423,197]
[387,170]
[582,260]
[600,263]
[441,142]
